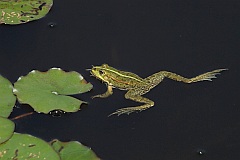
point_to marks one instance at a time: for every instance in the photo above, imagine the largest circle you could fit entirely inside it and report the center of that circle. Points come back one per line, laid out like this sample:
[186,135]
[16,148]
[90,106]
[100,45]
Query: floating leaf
[6,130]
[7,98]
[46,91]
[23,11]
[24,146]
[73,151]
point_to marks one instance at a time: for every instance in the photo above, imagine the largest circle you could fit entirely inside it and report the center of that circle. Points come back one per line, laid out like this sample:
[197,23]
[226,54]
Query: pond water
[188,121]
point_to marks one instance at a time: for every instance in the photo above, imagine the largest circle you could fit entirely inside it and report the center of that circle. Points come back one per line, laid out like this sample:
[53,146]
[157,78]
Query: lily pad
[73,151]
[23,11]
[24,146]
[6,129]
[7,98]
[47,91]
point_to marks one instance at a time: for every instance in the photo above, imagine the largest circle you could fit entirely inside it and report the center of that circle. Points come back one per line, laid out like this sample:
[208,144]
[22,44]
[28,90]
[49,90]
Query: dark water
[188,122]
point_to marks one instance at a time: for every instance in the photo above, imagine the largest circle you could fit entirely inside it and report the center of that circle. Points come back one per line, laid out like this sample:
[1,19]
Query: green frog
[137,86]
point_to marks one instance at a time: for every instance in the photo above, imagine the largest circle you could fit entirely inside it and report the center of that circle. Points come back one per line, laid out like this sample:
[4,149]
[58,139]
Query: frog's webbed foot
[129,110]
[206,76]
[121,111]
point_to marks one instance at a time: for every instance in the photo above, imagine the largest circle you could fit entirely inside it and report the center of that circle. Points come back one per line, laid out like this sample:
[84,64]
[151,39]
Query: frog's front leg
[131,94]
[106,94]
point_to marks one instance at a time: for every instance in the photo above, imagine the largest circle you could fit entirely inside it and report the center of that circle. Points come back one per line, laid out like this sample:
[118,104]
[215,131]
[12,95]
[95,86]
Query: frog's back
[122,79]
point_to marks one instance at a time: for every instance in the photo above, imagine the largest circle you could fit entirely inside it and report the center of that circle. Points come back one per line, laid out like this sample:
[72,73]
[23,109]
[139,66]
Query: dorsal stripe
[122,75]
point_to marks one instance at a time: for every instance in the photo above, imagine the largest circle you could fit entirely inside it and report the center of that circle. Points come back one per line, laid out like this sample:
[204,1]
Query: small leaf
[73,151]
[46,91]
[6,129]
[7,98]
[24,146]
[23,11]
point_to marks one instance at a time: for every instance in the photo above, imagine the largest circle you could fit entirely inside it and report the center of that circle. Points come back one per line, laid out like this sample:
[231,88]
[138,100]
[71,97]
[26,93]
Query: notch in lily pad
[23,11]
[48,91]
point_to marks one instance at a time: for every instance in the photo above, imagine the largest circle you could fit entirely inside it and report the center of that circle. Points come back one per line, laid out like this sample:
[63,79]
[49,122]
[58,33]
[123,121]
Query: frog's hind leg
[208,76]
[131,94]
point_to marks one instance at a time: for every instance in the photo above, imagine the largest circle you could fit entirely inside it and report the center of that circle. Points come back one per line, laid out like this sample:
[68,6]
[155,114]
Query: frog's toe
[96,96]
[118,113]
[122,111]
[207,76]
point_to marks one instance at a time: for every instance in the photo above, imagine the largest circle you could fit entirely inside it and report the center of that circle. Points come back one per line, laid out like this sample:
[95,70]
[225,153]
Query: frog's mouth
[93,73]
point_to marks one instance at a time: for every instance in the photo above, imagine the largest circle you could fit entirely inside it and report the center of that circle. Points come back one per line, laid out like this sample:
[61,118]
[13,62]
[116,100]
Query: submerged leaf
[24,146]
[7,98]
[23,11]
[46,91]
[6,129]
[73,151]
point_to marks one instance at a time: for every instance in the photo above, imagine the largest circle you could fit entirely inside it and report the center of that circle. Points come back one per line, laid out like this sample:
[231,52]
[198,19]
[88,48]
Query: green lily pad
[46,91]
[23,11]
[73,151]
[7,98]
[24,146]
[6,129]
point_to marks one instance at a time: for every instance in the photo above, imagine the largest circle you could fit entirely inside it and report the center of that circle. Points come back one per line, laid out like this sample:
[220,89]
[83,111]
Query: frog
[136,86]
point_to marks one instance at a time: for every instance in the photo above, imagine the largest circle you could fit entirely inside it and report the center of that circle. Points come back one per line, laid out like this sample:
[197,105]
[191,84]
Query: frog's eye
[104,65]
[101,72]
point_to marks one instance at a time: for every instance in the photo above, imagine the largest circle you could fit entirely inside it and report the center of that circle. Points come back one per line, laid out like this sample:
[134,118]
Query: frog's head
[100,72]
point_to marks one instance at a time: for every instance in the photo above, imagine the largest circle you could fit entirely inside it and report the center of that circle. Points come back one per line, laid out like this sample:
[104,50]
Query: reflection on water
[201,152]
[52,24]
[57,113]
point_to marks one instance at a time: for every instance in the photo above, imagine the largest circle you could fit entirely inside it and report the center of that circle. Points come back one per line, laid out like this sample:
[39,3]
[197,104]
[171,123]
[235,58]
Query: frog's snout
[93,71]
